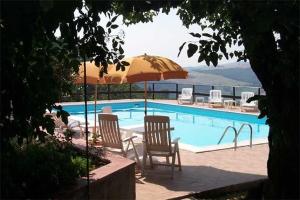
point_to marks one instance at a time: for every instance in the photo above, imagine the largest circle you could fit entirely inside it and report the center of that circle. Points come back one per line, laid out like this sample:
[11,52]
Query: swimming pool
[196,127]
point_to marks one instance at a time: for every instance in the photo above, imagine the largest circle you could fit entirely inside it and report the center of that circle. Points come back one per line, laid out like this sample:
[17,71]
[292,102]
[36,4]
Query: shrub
[39,170]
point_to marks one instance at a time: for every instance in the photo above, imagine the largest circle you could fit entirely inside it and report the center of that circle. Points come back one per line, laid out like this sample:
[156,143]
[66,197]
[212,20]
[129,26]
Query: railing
[251,134]
[159,91]
[235,136]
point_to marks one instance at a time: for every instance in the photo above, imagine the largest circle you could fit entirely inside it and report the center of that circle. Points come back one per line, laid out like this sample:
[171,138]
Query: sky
[162,37]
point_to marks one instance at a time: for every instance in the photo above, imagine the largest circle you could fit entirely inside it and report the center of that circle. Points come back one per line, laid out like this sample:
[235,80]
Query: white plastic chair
[186,95]
[73,124]
[158,140]
[215,96]
[244,97]
[112,138]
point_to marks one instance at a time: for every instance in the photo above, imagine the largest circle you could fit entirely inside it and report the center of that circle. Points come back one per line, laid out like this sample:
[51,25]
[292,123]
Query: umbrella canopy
[141,68]
[145,68]
[92,74]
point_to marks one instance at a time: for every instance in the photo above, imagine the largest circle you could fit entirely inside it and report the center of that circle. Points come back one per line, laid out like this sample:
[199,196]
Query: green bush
[40,170]
[80,164]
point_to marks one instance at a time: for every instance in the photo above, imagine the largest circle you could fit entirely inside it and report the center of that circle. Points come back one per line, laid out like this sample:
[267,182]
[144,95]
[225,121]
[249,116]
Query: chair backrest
[245,96]
[110,131]
[106,109]
[157,133]
[187,92]
[215,94]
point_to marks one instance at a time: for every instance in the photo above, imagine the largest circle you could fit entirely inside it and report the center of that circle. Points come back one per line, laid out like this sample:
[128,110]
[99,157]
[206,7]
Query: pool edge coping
[155,101]
[184,146]
[210,148]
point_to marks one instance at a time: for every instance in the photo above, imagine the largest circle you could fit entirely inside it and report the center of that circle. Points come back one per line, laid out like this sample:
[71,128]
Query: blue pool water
[195,126]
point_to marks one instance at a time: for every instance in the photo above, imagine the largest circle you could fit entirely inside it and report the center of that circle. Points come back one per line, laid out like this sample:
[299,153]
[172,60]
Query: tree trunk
[279,74]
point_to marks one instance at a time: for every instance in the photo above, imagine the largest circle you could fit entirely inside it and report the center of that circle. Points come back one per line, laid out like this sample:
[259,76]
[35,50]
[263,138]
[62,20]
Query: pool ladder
[236,134]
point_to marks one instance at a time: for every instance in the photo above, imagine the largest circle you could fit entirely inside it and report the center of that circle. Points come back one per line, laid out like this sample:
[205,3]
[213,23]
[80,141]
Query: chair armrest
[129,138]
[175,140]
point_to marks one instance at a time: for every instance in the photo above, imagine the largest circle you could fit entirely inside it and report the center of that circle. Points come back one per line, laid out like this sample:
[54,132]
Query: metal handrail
[108,92]
[251,135]
[235,136]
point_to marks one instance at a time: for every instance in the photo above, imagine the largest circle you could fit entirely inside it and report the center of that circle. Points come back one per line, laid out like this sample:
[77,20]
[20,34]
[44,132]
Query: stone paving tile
[204,171]
[201,171]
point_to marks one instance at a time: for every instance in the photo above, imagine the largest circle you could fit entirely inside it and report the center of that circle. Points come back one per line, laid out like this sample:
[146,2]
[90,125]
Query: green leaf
[206,34]
[226,55]
[223,49]
[196,35]
[125,63]
[192,48]
[207,61]
[121,50]
[262,114]
[114,18]
[121,57]
[200,58]
[214,58]
[215,47]
[115,44]
[180,48]
[118,67]
[203,42]
[240,42]
[108,24]
[114,26]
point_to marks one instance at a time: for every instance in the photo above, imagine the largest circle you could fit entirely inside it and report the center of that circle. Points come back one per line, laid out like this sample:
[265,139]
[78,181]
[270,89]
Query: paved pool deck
[204,171]
[201,171]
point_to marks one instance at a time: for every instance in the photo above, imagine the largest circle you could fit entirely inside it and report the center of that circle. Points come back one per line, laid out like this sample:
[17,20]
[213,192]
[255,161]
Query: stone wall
[115,180]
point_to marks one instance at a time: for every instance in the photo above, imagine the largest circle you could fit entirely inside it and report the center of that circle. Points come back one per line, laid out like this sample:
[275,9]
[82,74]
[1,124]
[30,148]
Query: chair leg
[124,153]
[127,146]
[136,155]
[179,161]
[167,160]
[173,163]
[151,163]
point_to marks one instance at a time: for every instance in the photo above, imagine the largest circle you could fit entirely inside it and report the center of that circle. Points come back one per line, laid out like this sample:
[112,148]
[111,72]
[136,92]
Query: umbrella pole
[86,132]
[145,96]
[95,108]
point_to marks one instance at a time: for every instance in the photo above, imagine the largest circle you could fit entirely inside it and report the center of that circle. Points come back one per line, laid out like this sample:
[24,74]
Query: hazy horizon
[162,37]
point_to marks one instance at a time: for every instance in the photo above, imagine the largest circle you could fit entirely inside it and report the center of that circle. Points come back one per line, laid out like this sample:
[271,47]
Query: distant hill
[231,74]
[203,78]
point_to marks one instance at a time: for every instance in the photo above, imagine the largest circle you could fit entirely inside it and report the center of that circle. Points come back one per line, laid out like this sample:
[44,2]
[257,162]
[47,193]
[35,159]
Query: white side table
[229,103]
[199,99]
